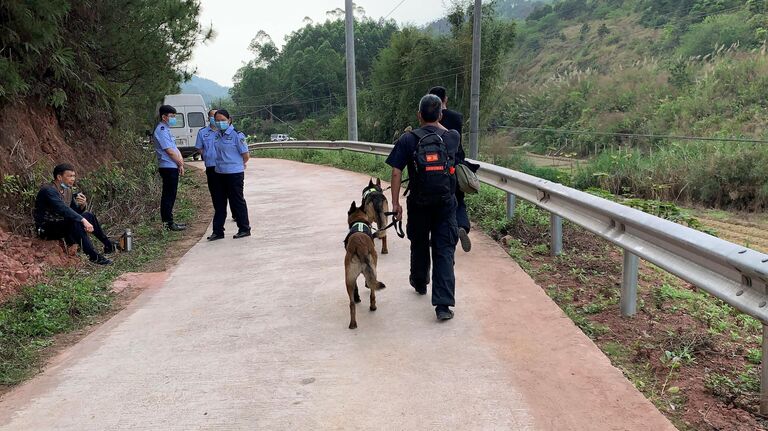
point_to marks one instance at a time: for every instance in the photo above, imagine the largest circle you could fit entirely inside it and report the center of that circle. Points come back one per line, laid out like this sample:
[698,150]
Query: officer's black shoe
[101,260]
[215,236]
[420,289]
[175,227]
[443,312]
[242,234]
[466,244]
[110,248]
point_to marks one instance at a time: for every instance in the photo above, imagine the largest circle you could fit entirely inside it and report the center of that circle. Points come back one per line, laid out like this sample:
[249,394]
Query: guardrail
[733,273]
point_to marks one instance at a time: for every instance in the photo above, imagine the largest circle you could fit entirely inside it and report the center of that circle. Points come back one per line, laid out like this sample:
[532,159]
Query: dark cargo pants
[434,227]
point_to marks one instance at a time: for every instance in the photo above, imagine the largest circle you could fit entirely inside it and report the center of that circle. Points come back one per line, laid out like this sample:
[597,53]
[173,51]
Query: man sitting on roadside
[60,214]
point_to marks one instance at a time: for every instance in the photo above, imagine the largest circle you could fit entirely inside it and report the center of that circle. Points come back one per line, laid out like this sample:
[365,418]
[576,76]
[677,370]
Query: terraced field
[747,230]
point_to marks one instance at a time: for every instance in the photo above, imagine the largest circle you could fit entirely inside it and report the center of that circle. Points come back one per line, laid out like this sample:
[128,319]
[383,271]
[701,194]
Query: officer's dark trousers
[170,178]
[462,218]
[74,233]
[230,189]
[213,185]
[434,227]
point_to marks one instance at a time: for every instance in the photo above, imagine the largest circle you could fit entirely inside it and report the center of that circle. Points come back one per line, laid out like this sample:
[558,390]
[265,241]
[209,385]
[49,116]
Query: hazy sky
[238,21]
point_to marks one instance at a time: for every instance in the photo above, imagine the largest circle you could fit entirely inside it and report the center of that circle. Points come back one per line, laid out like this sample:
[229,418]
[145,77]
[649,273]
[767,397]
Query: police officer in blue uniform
[431,219]
[231,157]
[170,165]
[207,149]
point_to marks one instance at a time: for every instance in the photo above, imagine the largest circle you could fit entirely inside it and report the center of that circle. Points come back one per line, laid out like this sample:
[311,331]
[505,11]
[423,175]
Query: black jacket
[50,207]
[452,120]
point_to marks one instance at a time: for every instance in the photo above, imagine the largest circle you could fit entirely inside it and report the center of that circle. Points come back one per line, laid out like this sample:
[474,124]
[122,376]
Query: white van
[191,116]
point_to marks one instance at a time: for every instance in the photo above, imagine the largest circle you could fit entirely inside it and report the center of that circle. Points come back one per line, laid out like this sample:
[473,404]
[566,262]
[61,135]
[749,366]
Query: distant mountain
[210,90]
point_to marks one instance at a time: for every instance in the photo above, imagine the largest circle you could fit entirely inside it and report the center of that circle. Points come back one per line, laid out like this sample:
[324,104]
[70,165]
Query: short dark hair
[223,112]
[61,168]
[167,109]
[430,108]
[439,92]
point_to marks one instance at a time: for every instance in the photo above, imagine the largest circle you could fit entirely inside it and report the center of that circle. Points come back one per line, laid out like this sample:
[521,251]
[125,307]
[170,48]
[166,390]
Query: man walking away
[429,153]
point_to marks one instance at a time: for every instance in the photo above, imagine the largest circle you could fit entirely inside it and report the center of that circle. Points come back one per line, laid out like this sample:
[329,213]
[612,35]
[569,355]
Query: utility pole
[351,80]
[474,105]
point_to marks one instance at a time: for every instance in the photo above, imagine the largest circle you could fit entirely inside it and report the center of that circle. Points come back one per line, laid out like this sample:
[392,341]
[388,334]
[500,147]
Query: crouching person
[60,214]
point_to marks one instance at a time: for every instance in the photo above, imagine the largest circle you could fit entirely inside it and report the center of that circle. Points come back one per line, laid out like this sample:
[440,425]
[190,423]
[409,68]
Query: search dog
[376,207]
[361,258]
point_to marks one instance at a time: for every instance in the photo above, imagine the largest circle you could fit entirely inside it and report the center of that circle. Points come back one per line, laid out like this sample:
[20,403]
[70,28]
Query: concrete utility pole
[351,79]
[474,105]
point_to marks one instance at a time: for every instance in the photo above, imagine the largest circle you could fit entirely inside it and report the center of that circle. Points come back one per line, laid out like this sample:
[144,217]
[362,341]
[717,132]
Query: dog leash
[397,224]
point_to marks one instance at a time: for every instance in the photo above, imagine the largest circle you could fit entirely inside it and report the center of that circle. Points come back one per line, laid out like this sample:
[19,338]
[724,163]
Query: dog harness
[358,227]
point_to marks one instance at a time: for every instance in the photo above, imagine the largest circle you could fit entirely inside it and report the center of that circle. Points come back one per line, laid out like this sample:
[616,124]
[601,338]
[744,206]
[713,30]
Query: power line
[393,10]
[634,135]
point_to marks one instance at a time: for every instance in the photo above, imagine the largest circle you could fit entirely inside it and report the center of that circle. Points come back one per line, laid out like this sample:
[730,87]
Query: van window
[179,121]
[196,119]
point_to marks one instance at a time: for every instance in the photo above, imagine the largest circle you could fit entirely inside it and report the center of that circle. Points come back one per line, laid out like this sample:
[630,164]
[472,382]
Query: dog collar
[360,227]
[368,192]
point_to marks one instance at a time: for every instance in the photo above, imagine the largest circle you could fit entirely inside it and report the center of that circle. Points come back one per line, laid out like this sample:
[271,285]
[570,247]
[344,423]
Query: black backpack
[433,180]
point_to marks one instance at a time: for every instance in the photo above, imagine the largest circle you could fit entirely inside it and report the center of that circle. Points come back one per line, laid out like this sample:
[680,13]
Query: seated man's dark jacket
[50,207]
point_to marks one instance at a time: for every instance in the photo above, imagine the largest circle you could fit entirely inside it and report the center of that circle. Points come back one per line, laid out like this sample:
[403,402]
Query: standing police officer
[454,120]
[431,203]
[205,144]
[231,156]
[170,165]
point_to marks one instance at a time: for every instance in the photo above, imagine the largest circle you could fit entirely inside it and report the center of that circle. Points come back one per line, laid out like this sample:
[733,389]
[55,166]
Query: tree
[92,57]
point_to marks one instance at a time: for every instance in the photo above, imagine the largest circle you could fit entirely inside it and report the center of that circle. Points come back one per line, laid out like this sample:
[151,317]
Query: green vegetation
[616,71]
[305,81]
[80,58]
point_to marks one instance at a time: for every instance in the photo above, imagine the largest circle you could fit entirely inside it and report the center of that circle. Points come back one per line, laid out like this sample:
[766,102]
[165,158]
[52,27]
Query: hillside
[210,90]
[621,80]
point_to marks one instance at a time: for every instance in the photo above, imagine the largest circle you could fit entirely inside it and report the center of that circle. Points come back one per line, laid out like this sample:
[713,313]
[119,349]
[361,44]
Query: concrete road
[252,334]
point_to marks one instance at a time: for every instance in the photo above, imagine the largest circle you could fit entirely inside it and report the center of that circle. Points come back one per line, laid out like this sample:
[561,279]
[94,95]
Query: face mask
[172,121]
[222,125]
[212,121]
[64,186]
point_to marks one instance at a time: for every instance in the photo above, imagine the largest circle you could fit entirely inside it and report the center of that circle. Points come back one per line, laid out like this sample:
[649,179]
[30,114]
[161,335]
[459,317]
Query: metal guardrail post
[556,234]
[629,285]
[764,375]
[511,202]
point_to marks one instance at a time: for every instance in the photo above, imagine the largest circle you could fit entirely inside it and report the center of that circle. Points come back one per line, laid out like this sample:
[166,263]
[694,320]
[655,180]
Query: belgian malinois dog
[361,258]
[376,207]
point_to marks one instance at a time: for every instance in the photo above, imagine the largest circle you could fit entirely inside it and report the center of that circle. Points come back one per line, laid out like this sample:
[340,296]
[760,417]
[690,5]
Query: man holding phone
[60,214]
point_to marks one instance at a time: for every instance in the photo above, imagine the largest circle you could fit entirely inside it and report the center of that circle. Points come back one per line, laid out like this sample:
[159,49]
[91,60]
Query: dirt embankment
[32,139]
[24,260]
